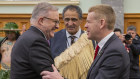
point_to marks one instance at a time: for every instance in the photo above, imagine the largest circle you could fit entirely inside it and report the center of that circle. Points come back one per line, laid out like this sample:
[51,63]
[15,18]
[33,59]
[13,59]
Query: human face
[71,21]
[120,36]
[118,33]
[92,26]
[50,23]
[132,33]
[11,35]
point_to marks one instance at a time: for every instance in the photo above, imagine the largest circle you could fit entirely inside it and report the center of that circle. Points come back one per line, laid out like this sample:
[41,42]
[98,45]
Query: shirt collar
[77,34]
[104,40]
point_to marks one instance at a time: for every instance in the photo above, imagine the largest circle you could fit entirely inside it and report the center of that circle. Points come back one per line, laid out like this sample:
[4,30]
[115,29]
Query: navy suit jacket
[59,42]
[112,62]
[30,55]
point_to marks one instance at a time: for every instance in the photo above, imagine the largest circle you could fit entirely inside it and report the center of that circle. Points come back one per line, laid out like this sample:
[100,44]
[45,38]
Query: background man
[71,44]
[31,53]
[133,45]
[72,16]
[118,33]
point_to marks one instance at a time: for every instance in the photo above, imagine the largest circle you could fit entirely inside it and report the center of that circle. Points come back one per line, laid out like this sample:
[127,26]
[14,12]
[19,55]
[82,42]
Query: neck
[104,34]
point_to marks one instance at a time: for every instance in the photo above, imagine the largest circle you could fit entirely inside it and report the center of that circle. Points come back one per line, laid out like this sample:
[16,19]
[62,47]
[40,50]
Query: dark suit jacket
[59,43]
[134,53]
[112,62]
[30,55]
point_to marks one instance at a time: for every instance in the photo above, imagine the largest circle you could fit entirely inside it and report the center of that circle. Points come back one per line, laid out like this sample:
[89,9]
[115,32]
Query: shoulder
[61,32]
[115,45]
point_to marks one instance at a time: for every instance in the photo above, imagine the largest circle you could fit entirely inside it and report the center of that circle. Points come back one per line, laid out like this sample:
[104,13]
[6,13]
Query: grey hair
[40,9]
[131,27]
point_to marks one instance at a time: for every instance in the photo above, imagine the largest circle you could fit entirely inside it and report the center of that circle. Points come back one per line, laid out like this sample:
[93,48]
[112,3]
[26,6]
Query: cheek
[133,35]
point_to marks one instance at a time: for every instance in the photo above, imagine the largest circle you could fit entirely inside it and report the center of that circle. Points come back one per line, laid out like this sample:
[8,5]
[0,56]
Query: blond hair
[106,12]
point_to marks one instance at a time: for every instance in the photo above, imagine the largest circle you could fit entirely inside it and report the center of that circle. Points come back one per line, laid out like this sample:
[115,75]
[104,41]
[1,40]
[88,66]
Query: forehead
[71,13]
[90,15]
[131,31]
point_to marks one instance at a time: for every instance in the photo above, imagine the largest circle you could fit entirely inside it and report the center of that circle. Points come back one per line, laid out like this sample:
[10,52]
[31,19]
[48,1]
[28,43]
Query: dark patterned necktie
[72,39]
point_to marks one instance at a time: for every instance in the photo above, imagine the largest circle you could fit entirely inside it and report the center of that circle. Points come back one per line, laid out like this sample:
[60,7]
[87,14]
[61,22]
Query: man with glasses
[73,40]
[31,53]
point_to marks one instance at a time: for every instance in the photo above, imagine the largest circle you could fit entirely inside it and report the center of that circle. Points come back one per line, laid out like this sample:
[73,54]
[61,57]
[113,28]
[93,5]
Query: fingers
[24,27]
[54,68]
[46,77]
[47,72]
[44,73]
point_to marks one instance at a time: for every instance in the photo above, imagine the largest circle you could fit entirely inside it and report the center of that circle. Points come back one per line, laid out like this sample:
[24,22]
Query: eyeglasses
[55,21]
[72,19]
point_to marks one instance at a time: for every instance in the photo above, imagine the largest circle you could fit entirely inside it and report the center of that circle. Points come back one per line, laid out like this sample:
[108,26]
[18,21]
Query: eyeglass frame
[55,21]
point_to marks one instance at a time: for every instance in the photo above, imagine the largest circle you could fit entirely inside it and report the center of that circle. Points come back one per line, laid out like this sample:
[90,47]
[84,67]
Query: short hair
[106,12]
[42,8]
[117,29]
[131,27]
[73,8]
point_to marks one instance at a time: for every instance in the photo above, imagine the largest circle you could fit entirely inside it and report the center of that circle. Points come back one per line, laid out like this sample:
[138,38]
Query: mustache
[71,26]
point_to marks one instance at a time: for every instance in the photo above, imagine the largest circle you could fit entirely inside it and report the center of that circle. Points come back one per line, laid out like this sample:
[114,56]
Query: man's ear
[40,21]
[102,23]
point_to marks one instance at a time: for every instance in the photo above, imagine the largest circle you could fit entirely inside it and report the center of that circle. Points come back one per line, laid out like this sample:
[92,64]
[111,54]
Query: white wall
[27,9]
[130,6]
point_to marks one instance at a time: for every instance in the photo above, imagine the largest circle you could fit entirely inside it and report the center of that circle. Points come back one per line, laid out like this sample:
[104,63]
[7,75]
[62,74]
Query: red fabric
[96,51]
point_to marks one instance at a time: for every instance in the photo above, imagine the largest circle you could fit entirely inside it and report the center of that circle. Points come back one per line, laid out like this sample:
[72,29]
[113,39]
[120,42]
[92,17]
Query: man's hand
[23,29]
[51,75]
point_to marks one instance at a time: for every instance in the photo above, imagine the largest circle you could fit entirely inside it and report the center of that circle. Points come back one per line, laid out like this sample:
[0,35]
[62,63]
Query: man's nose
[57,26]
[85,25]
[70,23]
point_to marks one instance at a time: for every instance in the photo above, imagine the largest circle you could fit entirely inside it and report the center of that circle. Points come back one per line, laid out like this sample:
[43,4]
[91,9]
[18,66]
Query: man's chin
[71,32]
[51,35]
[89,37]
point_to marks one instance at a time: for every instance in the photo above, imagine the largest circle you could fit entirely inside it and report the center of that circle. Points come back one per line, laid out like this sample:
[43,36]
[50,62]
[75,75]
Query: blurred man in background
[132,42]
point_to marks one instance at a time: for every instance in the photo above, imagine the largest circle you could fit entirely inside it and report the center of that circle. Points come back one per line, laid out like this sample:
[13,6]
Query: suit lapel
[95,61]
[63,42]
[101,53]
